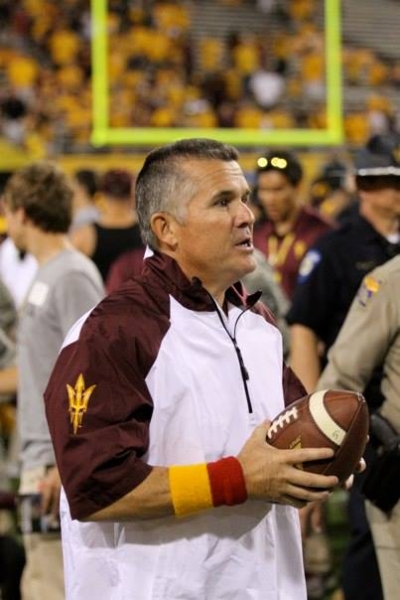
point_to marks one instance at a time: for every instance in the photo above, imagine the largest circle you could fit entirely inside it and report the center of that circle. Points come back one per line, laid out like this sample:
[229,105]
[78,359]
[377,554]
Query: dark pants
[12,562]
[360,572]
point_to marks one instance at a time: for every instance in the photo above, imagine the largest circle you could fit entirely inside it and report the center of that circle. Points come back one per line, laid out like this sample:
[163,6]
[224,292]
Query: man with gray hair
[158,402]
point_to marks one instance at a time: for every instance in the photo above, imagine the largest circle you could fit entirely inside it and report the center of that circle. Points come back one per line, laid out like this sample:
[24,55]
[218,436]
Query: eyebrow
[230,194]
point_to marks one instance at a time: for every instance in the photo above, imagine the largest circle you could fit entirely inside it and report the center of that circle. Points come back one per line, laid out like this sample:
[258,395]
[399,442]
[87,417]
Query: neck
[118,213]
[283,227]
[44,246]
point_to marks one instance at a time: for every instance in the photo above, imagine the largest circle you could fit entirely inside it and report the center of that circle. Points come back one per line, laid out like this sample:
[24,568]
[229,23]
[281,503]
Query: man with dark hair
[330,275]
[38,209]
[116,230]
[158,403]
[289,227]
[86,185]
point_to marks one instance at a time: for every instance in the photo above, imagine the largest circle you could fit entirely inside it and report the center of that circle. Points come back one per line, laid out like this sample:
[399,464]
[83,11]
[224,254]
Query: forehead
[272,178]
[214,175]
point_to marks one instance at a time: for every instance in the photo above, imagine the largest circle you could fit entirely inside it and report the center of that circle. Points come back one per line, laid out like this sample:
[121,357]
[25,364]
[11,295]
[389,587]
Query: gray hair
[163,183]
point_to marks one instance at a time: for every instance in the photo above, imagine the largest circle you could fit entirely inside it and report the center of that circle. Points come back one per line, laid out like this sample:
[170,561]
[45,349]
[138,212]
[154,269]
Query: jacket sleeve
[99,409]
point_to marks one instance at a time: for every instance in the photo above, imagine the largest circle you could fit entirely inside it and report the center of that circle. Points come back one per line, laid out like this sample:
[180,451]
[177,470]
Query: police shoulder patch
[308,264]
[368,288]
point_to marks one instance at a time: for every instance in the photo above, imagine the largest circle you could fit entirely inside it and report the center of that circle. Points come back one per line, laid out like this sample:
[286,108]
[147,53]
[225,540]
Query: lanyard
[277,253]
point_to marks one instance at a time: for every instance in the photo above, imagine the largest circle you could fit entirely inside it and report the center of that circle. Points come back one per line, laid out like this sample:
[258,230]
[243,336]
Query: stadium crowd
[166,71]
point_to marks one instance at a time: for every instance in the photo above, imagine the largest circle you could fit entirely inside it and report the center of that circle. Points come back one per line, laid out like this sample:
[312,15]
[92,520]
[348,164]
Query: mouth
[246,243]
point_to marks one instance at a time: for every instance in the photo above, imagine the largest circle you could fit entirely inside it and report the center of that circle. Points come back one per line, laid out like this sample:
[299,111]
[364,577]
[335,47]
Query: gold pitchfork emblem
[78,398]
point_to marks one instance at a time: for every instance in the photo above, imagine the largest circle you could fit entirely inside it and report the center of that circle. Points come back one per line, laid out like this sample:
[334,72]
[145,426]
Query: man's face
[214,236]
[15,226]
[276,195]
[385,201]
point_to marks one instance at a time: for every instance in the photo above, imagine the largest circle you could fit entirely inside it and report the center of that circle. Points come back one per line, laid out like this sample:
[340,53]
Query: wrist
[203,486]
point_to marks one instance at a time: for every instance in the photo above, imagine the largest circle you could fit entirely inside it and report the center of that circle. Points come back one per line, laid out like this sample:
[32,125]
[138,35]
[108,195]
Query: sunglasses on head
[276,162]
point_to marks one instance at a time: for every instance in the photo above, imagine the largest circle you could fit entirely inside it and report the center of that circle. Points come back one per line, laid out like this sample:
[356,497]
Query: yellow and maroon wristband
[198,487]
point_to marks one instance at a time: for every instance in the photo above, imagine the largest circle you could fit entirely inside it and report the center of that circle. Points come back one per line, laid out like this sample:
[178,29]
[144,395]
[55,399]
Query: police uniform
[331,273]
[371,336]
[330,276]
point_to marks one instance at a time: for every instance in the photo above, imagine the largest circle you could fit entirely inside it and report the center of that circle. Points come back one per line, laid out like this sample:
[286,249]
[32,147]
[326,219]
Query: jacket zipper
[243,371]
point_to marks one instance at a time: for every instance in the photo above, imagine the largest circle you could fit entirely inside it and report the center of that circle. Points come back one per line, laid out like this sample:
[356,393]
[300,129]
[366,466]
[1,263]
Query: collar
[163,274]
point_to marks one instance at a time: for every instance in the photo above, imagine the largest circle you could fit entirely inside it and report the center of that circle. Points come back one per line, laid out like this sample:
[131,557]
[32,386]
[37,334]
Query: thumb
[262,430]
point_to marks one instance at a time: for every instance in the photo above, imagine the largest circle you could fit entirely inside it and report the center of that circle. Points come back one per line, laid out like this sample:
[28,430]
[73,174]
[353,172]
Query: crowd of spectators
[162,75]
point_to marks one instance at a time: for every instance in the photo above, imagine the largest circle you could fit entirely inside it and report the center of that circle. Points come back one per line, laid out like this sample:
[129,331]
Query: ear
[22,215]
[164,228]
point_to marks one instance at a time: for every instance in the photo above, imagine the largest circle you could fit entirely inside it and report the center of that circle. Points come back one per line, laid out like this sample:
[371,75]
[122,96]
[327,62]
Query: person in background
[17,268]
[369,339]
[38,210]
[158,402]
[84,208]
[330,275]
[332,191]
[288,227]
[12,556]
[117,229]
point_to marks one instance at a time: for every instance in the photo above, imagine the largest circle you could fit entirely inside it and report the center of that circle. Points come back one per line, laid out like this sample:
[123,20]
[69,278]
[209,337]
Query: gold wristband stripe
[190,489]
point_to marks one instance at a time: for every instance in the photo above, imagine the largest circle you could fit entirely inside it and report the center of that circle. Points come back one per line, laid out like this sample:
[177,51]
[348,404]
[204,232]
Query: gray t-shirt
[64,288]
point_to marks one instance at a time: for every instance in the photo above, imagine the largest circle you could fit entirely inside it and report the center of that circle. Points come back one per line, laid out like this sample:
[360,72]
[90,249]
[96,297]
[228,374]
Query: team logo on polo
[78,398]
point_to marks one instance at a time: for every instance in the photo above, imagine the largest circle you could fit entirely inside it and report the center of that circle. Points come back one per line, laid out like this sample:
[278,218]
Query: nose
[245,215]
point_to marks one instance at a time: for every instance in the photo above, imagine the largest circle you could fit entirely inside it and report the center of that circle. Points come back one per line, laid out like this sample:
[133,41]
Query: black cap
[380,157]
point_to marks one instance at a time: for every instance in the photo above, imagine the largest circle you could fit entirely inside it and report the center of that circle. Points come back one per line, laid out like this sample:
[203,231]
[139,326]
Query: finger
[298,456]
[362,465]
[312,480]
[348,483]
[295,502]
[306,494]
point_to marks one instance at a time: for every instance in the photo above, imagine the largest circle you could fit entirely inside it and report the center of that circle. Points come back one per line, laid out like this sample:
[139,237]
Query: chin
[251,266]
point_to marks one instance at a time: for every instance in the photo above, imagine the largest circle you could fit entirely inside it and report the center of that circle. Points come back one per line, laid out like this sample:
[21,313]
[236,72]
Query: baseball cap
[380,157]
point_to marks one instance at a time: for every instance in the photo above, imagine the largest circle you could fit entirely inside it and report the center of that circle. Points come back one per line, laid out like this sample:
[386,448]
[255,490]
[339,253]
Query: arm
[304,355]
[269,474]
[98,392]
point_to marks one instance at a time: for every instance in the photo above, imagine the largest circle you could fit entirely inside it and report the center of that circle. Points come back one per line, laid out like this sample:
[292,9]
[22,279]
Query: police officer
[369,337]
[329,277]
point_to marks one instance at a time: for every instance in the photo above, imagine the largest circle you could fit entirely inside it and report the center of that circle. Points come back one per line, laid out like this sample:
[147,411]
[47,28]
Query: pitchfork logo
[78,398]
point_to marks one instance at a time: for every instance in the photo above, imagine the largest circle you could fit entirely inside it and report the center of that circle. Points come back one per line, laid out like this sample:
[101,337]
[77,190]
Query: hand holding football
[336,419]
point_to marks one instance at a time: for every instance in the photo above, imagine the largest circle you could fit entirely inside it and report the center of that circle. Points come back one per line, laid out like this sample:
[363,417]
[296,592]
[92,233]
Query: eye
[224,202]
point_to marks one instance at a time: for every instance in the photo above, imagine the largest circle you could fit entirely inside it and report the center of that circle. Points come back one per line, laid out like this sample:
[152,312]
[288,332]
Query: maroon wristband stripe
[227,482]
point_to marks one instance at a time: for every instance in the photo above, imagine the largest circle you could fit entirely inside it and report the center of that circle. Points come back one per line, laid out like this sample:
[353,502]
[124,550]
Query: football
[336,419]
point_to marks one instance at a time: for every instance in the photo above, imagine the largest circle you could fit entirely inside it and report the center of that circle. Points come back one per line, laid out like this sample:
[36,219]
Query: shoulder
[130,320]
[73,261]
[71,273]
[389,270]
[381,286]
[384,277]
